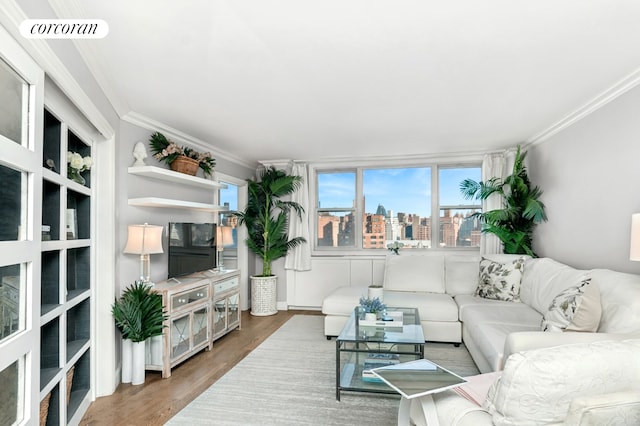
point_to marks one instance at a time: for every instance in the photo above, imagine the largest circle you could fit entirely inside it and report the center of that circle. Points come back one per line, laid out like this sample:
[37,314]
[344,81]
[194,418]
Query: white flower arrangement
[78,162]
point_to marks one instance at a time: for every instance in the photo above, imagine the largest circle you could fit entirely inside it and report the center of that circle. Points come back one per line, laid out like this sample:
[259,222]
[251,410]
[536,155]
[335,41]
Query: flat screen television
[192,248]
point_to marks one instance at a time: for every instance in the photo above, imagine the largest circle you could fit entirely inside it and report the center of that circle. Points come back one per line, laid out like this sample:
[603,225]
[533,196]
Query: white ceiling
[268,79]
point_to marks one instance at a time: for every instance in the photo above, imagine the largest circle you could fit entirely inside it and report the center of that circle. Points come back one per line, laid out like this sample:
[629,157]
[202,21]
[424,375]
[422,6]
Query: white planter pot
[127,359]
[137,366]
[370,317]
[153,348]
[263,295]
[376,291]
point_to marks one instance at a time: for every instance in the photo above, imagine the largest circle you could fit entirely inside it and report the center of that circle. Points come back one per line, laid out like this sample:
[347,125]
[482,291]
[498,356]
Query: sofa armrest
[528,340]
[618,408]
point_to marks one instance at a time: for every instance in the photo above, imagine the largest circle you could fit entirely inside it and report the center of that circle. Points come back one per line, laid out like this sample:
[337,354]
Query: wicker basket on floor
[44,409]
[186,165]
[69,382]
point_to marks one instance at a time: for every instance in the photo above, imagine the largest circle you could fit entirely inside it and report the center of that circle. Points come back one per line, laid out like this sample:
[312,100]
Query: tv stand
[201,308]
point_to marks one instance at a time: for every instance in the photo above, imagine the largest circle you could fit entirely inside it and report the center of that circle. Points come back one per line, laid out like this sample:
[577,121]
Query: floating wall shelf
[176,204]
[171,176]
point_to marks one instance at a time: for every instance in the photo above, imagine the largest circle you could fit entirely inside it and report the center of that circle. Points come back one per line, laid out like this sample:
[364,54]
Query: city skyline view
[404,190]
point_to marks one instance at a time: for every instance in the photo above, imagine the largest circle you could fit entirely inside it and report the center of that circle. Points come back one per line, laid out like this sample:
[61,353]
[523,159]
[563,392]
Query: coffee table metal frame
[357,342]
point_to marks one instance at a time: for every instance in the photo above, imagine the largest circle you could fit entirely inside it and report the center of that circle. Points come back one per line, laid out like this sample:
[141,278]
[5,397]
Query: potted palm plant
[523,210]
[139,315]
[266,218]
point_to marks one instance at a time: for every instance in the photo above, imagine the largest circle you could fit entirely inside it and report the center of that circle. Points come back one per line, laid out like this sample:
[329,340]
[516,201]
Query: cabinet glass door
[179,336]
[219,316]
[201,325]
[233,311]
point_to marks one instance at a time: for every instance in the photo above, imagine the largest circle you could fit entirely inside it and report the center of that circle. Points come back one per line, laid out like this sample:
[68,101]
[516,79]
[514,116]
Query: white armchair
[583,384]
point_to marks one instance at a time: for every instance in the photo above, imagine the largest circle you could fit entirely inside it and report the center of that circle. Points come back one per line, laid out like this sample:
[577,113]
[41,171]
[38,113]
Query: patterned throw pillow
[575,309]
[500,281]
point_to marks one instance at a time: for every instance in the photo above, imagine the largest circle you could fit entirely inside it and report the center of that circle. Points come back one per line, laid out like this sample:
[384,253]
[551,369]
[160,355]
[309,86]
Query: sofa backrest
[461,273]
[620,300]
[420,272]
[543,279]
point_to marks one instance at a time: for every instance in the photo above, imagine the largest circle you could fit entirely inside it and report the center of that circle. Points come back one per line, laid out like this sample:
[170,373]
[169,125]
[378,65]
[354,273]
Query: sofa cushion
[537,387]
[501,312]
[620,300]
[461,274]
[431,306]
[500,280]
[543,279]
[414,273]
[577,307]
[489,339]
[343,300]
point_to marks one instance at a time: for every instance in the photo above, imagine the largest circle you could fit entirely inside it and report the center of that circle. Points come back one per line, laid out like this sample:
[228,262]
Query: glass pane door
[15,105]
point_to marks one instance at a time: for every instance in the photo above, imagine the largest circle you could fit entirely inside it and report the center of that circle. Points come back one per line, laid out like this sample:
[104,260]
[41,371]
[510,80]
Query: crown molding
[11,15]
[153,125]
[618,89]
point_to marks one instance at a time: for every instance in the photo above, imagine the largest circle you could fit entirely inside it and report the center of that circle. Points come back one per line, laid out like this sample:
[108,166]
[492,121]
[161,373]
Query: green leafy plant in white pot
[139,315]
[266,218]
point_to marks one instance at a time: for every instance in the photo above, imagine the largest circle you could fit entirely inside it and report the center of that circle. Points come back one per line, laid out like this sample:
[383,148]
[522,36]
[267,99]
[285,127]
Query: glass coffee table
[361,348]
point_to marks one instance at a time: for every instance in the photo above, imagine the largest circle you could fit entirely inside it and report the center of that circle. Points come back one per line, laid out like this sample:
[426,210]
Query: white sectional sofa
[443,287]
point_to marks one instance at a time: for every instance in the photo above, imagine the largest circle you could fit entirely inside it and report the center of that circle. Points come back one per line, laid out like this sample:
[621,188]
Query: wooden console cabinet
[201,308]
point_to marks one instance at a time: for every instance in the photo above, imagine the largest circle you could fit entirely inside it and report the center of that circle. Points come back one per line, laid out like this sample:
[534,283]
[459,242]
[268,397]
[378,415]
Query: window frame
[435,165]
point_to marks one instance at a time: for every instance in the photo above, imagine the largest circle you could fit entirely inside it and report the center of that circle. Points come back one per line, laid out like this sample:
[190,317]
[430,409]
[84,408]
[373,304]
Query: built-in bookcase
[66,277]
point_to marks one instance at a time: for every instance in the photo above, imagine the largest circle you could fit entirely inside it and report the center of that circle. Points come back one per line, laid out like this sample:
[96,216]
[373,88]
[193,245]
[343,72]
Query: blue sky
[406,190]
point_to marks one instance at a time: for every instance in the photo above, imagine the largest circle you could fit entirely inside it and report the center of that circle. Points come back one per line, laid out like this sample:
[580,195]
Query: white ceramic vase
[137,365]
[370,317]
[127,359]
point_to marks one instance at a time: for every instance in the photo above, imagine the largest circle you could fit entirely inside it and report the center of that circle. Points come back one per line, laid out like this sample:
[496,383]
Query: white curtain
[493,165]
[299,259]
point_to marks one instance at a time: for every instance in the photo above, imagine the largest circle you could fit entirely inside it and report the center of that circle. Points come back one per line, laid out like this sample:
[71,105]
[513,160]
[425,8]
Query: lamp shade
[634,250]
[144,239]
[224,236]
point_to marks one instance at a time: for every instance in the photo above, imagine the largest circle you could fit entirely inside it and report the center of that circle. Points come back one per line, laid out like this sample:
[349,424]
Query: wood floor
[159,399]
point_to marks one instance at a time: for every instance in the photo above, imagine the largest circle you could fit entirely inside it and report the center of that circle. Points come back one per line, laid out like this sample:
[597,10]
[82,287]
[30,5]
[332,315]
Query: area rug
[290,380]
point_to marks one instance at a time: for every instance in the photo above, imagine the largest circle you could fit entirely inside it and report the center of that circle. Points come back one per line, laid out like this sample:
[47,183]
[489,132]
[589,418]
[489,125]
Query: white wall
[590,174]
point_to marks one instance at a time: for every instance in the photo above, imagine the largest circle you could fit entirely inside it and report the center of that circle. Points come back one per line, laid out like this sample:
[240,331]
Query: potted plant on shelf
[266,218]
[180,158]
[522,211]
[139,315]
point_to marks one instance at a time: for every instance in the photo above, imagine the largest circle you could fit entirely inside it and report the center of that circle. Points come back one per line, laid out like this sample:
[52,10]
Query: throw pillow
[575,309]
[500,281]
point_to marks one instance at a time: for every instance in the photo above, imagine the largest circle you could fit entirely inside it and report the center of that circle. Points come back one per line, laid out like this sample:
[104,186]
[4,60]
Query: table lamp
[223,236]
[144,240]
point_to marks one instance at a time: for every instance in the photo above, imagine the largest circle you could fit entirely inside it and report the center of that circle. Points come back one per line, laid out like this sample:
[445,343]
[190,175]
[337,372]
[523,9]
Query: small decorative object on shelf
[139,154]
[186,160]
[77,164]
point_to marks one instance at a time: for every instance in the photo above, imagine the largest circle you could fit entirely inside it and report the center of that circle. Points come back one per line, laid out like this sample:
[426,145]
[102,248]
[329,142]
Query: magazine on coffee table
[417,378]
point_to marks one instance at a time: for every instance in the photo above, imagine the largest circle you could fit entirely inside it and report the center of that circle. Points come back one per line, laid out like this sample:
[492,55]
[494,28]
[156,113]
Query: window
[336,209]
[410,207]
[227,244]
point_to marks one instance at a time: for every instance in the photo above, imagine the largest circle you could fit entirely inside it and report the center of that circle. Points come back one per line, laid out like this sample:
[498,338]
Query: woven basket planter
[186,165]
[263,295]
